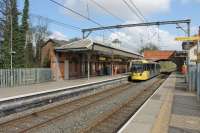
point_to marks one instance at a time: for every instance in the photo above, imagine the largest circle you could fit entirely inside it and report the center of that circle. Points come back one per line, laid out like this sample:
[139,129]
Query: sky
[131,38]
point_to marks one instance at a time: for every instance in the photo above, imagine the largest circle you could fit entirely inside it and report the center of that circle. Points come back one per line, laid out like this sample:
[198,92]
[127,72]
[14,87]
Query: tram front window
[137,68]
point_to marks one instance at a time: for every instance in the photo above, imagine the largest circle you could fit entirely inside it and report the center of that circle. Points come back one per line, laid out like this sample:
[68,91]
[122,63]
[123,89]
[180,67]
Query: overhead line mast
[187,21]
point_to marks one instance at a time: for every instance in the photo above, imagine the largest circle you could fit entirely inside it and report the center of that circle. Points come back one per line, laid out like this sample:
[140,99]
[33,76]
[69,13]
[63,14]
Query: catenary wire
[132,10]
[106,10]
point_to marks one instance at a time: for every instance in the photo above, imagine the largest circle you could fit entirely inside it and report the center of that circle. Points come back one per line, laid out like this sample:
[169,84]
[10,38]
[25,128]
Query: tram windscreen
[137,68]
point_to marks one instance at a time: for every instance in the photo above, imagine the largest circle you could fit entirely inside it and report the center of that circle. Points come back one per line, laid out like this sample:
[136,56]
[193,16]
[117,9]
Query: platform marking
[138,111]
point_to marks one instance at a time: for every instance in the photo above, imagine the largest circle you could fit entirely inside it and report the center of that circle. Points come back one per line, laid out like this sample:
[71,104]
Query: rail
[46,97]
[116,101]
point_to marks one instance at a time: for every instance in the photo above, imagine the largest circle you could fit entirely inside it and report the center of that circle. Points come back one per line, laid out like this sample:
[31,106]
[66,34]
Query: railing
[24,76]
[194,79]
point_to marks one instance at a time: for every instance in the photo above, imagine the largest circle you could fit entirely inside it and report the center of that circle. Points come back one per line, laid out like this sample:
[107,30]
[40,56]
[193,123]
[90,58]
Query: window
[195,51]
[137,67]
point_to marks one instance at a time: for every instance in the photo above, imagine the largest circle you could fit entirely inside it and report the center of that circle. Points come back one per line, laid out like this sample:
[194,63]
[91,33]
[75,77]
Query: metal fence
[24,76]
[194,79]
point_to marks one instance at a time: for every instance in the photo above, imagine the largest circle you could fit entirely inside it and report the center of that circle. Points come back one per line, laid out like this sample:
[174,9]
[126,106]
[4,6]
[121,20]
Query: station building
[177,57]
[73,60]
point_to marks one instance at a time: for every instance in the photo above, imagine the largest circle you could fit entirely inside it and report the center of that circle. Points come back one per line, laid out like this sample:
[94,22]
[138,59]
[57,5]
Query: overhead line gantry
[87,32]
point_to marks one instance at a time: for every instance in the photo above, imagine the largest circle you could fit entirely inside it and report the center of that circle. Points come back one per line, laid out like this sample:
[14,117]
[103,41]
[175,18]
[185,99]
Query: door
[66,69]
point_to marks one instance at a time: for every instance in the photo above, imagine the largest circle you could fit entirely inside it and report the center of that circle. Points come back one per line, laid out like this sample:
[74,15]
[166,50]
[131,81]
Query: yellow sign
[192,38]
[102,58]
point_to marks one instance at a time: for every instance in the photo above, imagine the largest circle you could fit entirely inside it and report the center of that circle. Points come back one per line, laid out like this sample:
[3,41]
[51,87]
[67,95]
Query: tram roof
[144,62]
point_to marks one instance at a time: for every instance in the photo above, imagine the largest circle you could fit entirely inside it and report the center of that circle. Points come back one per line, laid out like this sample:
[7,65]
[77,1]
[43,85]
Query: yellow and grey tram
[144,70]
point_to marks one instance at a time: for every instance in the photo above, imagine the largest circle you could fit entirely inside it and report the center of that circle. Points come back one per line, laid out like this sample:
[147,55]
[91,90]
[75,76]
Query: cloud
[194,30]
[134,38]
[189,1]
[58,35]
[118,7]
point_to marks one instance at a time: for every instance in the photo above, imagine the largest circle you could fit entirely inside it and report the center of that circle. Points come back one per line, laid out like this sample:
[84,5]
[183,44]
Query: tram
[144,70]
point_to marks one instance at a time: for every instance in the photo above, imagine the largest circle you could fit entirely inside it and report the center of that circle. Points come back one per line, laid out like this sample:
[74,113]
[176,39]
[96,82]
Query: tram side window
[137,67]
[145,67]
[152,67]
[148,67]
[157,66]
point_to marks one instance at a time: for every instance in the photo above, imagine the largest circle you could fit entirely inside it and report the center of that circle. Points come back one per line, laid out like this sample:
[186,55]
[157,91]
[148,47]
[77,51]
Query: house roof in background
[158,54]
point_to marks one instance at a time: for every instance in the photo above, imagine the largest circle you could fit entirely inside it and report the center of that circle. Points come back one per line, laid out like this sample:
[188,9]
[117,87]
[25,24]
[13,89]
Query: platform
[22,91]
[171,109]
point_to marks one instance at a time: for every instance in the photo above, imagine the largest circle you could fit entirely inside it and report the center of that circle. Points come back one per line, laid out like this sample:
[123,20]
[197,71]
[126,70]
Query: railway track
[106,111]
[120,116]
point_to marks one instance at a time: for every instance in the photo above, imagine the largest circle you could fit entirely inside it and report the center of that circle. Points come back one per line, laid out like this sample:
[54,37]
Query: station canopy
[98,47]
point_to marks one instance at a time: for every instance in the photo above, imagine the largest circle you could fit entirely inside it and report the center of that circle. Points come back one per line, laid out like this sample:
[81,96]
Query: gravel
[79,115]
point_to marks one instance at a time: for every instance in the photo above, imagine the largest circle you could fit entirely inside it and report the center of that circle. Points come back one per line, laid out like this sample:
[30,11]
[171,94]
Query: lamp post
[187,32]
[198,68]
[11,44]
[11,37]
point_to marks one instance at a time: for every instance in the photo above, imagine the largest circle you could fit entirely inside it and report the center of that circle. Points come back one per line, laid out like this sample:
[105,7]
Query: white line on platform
[138,111]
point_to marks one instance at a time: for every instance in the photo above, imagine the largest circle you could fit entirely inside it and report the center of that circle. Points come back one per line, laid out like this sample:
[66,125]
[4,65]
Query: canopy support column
[88,65]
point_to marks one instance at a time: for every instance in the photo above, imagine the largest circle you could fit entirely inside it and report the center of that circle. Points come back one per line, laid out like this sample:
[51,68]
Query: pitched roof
[58,43]
[88,44]
[84,43]
[157,54]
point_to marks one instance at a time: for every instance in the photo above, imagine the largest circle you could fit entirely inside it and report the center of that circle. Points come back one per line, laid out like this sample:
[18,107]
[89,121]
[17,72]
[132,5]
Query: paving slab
[138,128]
[185,114]
[143,121]
[171,109]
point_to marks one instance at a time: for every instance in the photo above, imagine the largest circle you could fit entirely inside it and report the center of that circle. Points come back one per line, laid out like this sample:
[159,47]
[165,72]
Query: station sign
[192,38]
[119,60]
[186,45]
[102,58]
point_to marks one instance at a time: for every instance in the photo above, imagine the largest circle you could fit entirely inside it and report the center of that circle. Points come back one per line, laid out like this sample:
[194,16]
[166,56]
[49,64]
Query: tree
[2,17]
[148,46]
[39,34]
[29,55]
[8,12]
[3,10]
[17,61]
[25,40]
